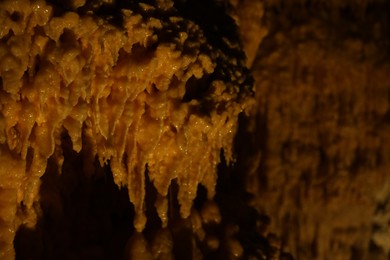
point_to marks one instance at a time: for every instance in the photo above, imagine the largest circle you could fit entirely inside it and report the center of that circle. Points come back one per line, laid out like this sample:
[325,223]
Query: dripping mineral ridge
[194,129]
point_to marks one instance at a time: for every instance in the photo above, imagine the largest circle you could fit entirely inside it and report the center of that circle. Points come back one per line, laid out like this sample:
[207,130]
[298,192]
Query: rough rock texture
[116,116]
[321,155]
[140,87]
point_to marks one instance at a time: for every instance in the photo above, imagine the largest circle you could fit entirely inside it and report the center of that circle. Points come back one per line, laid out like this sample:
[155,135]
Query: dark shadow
[83,216]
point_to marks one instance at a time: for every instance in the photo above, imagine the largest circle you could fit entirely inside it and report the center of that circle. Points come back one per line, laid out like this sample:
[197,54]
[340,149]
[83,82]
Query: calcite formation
[162,129]
[135,85]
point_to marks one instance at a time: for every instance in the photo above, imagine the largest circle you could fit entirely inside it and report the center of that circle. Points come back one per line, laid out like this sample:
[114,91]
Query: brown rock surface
[321,155]
[116,117]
